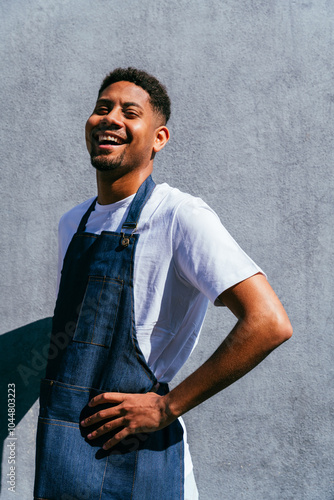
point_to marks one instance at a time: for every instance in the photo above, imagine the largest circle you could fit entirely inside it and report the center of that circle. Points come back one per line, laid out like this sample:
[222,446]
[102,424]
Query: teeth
[116,140]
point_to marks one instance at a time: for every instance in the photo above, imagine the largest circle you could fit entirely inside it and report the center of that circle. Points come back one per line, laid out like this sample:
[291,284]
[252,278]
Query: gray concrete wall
[252,130]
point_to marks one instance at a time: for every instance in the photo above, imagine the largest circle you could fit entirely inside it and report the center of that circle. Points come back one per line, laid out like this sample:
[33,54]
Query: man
[139,264]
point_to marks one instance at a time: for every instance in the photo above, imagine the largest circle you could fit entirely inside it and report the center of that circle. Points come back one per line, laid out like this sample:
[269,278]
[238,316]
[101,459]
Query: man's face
[123,129]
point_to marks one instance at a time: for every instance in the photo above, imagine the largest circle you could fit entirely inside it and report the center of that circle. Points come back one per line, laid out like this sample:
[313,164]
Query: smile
[109,140]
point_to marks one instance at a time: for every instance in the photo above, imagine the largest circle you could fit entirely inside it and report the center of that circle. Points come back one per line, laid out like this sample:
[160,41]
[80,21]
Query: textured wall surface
[252,133]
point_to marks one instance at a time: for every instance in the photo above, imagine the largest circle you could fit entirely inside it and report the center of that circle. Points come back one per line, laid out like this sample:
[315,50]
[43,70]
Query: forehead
[126,92]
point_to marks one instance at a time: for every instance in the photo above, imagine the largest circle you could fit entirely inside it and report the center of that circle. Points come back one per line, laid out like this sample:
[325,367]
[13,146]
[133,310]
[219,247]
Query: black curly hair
[159,98]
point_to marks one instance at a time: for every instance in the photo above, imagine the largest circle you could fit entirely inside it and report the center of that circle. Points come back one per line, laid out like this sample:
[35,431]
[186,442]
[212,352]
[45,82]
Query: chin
[105,164]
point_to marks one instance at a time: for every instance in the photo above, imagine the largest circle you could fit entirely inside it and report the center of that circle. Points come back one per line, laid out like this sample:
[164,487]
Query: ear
[161,138]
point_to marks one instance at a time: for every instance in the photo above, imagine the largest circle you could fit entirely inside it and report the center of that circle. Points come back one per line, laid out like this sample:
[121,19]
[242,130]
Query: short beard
[103,163]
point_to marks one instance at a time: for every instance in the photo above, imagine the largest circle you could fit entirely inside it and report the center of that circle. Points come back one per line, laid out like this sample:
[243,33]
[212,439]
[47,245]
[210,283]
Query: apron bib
[94,349]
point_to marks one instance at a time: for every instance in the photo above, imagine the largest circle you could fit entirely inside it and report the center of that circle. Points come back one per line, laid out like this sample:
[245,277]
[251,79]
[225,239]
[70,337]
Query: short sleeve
[205,254]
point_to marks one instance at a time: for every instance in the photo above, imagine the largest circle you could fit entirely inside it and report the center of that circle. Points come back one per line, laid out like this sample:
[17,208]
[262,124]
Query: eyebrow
[128,104]
[125,104]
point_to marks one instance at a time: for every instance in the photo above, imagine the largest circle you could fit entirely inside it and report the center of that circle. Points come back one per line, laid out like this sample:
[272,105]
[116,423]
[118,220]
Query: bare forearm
[240,352]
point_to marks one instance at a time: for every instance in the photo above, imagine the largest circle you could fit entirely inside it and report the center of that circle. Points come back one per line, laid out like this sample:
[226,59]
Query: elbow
[285,331]
[273,327]
[280,329]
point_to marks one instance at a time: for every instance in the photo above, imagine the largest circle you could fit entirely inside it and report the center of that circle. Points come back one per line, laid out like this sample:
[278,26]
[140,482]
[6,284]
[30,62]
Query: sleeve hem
[216,302]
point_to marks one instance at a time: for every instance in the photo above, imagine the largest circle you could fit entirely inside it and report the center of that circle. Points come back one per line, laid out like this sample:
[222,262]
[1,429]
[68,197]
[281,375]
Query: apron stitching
[77,390]
[85,389]
[134,474]
[58,420]
[119,299]
[74,426]
[80,311]
[97,308]
[90,343]
[106,279]
[104,474]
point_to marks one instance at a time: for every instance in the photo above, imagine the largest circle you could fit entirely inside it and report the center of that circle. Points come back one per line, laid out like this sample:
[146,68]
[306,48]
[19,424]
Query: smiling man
[138,265]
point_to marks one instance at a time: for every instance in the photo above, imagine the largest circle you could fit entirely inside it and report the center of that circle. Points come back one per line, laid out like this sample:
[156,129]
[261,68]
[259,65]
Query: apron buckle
[125,240]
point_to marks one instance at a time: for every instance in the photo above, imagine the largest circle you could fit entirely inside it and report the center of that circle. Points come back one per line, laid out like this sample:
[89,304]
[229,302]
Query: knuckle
[132,427]
[126,422]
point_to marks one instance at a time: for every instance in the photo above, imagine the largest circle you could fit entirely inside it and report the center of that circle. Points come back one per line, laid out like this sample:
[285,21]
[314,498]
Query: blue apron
[94,349]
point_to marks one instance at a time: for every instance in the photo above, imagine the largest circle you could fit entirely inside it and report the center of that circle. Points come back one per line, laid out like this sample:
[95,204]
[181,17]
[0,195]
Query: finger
[107,427]
[100,415]
[116,439]
[107,397]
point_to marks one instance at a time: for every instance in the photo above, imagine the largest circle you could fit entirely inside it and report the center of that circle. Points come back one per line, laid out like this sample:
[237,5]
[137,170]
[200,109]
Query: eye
[131,113]
[101,110]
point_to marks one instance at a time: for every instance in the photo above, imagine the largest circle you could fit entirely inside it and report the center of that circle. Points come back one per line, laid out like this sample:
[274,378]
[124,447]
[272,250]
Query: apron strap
[138,203]
[83,222]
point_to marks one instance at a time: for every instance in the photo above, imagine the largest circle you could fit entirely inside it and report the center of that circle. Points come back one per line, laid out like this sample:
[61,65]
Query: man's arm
[262,326]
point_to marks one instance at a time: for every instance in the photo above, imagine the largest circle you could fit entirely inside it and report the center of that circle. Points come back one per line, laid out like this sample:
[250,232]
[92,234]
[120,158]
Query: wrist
[171,409]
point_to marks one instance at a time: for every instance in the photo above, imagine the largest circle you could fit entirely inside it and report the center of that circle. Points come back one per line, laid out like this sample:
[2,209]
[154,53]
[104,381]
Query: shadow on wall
[23,355]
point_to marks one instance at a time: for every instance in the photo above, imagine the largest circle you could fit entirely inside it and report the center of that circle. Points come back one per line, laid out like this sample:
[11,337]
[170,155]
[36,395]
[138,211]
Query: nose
[113,119]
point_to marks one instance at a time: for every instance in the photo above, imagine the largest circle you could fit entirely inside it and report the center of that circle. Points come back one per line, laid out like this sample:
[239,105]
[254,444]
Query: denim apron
[94,349]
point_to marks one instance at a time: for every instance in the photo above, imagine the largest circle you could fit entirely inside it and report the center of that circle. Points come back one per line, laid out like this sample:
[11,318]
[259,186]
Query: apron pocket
[98,311]
[64,462]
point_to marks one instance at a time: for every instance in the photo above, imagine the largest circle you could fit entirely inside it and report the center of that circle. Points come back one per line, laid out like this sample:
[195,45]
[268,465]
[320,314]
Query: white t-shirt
[184,258]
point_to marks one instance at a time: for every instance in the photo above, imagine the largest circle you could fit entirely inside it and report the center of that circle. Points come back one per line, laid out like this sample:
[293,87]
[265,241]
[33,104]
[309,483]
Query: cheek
[145,136]
[88,129]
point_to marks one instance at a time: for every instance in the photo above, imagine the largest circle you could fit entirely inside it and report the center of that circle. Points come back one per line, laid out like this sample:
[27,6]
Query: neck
[112,188]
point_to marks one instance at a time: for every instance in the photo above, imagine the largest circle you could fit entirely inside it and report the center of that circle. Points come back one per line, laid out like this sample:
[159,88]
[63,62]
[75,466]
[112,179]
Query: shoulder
[184,216]
[71,219]
[183,205]
[189,213]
